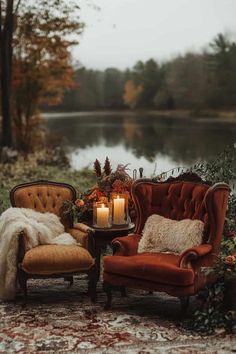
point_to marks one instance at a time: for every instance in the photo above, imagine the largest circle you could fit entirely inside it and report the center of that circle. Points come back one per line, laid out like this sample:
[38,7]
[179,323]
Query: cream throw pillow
[165,235]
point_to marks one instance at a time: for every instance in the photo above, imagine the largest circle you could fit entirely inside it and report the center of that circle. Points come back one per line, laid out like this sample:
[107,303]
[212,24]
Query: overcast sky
[124,31]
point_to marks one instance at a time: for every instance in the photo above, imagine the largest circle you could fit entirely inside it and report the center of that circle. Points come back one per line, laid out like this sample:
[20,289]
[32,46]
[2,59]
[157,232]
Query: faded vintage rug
[61,320]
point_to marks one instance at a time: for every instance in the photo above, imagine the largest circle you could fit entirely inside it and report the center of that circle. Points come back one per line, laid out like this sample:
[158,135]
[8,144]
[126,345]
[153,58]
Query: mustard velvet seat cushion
[54,259]
[161,234]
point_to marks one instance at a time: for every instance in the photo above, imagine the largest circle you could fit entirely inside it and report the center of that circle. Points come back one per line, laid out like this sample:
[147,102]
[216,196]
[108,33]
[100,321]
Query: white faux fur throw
[161,234]
[40,228]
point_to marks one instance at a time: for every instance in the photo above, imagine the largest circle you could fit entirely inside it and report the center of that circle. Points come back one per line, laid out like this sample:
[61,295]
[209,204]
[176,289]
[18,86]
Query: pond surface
[140,139]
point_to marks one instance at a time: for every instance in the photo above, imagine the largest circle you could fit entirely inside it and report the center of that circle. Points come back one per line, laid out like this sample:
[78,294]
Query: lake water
[142,140]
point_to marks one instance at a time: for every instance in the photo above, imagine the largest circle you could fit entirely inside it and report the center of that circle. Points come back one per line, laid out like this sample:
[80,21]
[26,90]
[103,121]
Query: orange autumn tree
[132,94]
[42,67]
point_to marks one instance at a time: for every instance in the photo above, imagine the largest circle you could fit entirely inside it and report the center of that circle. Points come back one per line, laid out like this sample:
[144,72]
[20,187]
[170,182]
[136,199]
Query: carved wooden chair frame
[23,276]
[188,259]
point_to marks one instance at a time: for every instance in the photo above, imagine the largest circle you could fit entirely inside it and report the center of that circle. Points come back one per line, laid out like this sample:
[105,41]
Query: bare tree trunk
[6,35]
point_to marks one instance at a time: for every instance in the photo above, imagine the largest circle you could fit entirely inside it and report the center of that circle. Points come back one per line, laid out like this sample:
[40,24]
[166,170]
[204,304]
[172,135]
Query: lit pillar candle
[119,211]
[102,216]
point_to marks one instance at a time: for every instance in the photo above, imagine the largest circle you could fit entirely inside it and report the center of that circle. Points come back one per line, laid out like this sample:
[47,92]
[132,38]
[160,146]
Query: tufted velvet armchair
[177,275]
[53,261]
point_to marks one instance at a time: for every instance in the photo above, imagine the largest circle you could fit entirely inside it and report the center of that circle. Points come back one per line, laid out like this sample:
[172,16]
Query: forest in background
[193,81]
[37,74]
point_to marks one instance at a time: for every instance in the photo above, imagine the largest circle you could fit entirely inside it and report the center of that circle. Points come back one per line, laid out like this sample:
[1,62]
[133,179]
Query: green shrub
[40,166]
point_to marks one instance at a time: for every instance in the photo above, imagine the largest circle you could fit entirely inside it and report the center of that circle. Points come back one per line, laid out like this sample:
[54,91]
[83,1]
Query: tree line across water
[193,81]
[36,73]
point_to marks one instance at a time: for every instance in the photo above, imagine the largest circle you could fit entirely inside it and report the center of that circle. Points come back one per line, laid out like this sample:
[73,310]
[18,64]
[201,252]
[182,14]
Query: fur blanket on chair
[39,228]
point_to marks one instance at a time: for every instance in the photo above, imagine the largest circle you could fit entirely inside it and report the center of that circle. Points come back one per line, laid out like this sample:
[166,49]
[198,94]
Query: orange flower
[79,203]
[96,194]
[230,260]
[103,200]
[92,195]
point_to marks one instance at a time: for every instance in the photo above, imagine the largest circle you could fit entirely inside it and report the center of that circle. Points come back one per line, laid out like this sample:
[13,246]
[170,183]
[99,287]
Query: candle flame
[102,205]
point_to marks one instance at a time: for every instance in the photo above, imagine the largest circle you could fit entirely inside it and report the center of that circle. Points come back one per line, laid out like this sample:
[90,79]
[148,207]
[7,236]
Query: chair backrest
[43,196]
[179,199]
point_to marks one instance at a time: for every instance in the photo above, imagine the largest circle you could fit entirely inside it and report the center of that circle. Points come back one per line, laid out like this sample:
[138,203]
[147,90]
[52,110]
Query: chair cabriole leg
[23,284]
[123,291]
[70,280]
[184,304]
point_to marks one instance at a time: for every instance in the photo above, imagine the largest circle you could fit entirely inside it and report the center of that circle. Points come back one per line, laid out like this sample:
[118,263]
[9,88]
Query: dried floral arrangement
[108,182]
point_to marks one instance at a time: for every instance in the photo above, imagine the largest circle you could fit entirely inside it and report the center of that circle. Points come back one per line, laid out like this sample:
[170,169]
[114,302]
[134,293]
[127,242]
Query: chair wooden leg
[70,280]
[22,277]
[184,304]
[123,291]
[92,284]
[108,290]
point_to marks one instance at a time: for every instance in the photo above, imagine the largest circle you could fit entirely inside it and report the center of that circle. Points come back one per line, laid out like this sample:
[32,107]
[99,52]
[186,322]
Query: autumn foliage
[132,93]
[41,62]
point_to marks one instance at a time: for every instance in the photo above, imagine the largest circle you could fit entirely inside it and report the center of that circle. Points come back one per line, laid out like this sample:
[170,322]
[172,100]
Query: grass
[40,166]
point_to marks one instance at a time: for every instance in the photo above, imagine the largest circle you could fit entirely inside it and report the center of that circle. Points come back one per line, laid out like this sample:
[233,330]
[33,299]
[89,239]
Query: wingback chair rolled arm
[54,261]
[190,256]
[84,235]
[126,246]
[178,275]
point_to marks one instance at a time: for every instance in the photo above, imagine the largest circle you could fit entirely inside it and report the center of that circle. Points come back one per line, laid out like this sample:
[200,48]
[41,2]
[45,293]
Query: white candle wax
[119,211]
[102,216]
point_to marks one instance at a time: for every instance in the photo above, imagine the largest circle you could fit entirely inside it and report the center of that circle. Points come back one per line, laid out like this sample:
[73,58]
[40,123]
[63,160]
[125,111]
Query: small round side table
[104,236]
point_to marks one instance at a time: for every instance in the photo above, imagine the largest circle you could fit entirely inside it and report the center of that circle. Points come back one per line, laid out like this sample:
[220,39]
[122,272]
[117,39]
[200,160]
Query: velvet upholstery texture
[138,283]
[43,197]
[167,272]
[54,260]
[176,199]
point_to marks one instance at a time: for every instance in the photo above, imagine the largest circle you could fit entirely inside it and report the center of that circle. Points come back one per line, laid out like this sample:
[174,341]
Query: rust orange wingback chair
[177,275]
[53,261]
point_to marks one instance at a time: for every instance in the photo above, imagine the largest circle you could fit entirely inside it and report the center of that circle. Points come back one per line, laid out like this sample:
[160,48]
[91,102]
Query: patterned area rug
[61,320]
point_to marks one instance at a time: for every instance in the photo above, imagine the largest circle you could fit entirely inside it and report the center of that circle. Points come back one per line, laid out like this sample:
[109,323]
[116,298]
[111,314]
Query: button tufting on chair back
[184,197]
[179,200]
[53,260]
[43,196]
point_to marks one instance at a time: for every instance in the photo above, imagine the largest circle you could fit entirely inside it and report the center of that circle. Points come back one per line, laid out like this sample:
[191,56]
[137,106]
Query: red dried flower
[97,168]
[107,167]
[118,186]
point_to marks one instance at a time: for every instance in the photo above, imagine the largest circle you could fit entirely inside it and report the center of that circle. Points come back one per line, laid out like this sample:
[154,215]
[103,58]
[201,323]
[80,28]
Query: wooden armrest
[127,245]
[83,228]
[193,254]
